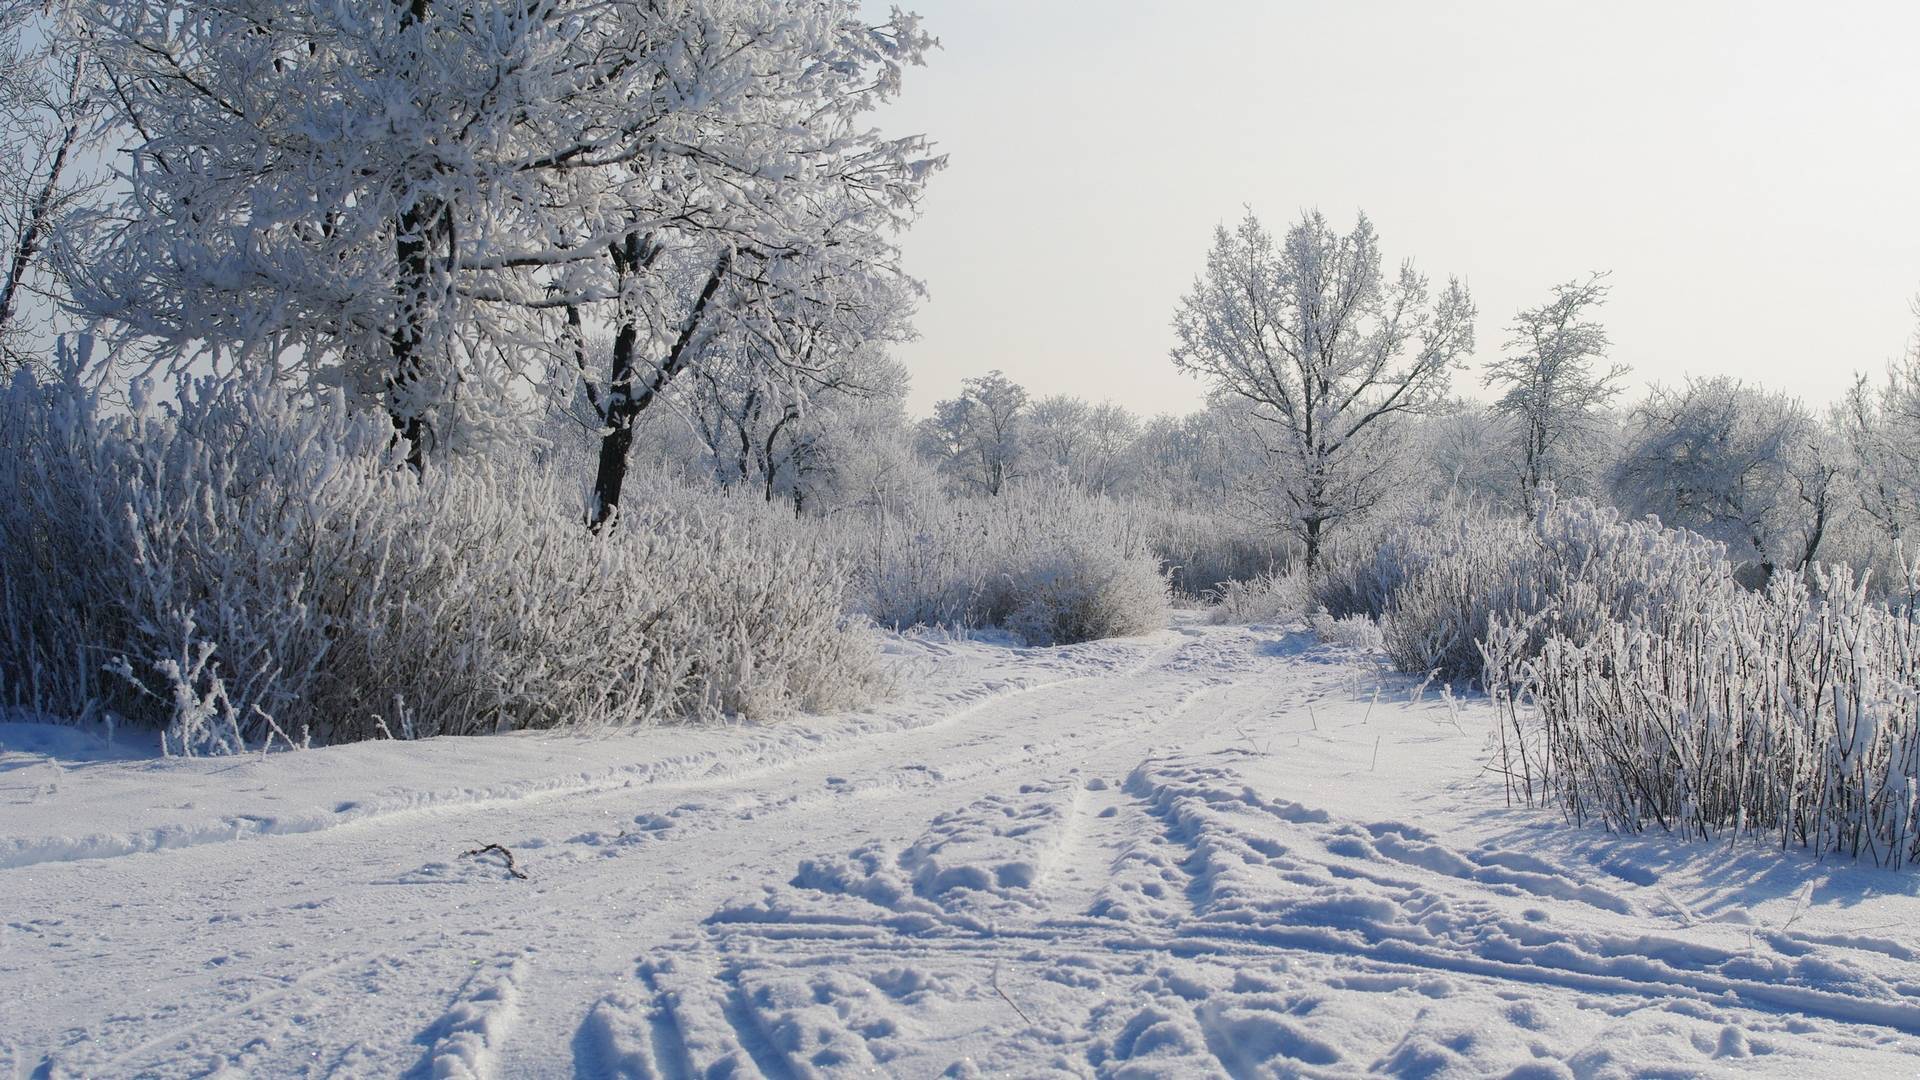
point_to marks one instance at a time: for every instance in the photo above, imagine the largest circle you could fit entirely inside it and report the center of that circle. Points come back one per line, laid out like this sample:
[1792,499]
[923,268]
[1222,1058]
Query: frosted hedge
[235,567]
[1051,564]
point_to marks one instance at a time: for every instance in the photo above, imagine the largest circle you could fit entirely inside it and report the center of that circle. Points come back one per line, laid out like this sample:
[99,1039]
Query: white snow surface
[1215,851]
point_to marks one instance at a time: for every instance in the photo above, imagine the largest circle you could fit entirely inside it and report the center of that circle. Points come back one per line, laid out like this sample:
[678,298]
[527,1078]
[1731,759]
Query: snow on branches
[1328,350]
[425,201]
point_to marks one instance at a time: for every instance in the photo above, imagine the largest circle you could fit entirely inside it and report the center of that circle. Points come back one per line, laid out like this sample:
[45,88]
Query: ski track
[1215,852]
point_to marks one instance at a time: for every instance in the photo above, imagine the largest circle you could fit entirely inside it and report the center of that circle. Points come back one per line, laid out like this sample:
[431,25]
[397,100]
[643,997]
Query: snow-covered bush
[1205,552]
[1271,597]
[1050,563]
[1435,582]
[1641,684]
[1352,632]
[1792,713]
[237,566]
[1070,594]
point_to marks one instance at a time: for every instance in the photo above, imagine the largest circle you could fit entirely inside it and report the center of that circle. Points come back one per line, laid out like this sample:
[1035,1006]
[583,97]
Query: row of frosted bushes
[1207,552]
[1043,561]
[1791,713]
[234,568]
[1436,581]
[1639,683]
[237,567]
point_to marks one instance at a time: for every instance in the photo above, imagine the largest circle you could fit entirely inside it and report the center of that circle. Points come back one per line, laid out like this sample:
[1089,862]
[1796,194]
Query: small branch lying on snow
[995,981]
[504,853]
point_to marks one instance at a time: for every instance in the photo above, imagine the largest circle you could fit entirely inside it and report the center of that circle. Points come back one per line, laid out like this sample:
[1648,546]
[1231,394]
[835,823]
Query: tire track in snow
[1229,841]
[869,974]
[972,868]
[90,1059]
[467,1040]
[1233,916]
[756,755]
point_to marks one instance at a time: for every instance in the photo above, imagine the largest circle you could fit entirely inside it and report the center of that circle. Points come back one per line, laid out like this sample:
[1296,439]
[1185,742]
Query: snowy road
[1217,851]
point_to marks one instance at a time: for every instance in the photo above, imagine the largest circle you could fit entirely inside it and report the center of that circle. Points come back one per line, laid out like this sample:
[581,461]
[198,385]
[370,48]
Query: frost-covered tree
[1880,427]
[1057,433]
[1086,443]
[430,201]
[1465,445]
[1111,430]
[1330,352]
[859,440]
[1199,461]
[978,438]
[1743,465]
[1552,393]
[791,440]
[48,108]
[1156,462]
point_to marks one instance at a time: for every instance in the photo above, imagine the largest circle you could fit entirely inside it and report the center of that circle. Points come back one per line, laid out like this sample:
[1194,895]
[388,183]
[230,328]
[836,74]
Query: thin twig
[994,980]
[508,855]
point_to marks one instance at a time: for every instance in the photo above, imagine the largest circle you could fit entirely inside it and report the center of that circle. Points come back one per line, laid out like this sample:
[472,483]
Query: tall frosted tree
[783,423]
[979,438]
[1329,351]
[435,201]
[49,97]
[1111,430]
[1746,466]
[1057,433]
[1553,392]
[1880,426]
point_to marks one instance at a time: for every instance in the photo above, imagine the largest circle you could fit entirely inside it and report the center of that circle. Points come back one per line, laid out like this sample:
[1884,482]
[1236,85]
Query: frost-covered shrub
[1271,597]
[1435,582]
[1793,713]
[1351,632]
[1052,564]
[1204,553]
[1085,594]
[237,566]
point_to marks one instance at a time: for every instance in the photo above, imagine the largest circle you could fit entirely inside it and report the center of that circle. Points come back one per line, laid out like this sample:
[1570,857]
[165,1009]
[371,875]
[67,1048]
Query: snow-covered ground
[1214,851]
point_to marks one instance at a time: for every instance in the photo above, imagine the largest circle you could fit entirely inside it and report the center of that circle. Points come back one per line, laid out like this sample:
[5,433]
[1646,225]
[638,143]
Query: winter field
[1205,851]
[576,538]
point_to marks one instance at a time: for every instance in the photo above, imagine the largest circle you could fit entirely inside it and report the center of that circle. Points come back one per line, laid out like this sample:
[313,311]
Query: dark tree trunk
[412,246]
[626,400]
[770,466]
[1815,533]
[421,222]
[611,472]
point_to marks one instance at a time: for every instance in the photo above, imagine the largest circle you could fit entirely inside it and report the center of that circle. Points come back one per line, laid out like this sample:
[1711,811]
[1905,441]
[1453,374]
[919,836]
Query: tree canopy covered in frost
[1880,426]
[794,441]
[1328,349]
[416,201]
[1746,466]
[1550,391]
[49,97]
[1085,442]
[979,436]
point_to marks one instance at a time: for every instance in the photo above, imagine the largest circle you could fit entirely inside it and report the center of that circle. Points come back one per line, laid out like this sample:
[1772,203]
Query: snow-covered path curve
[1218,851]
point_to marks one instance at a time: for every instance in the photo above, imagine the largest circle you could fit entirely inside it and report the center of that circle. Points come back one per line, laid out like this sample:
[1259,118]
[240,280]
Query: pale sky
[1750,172]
